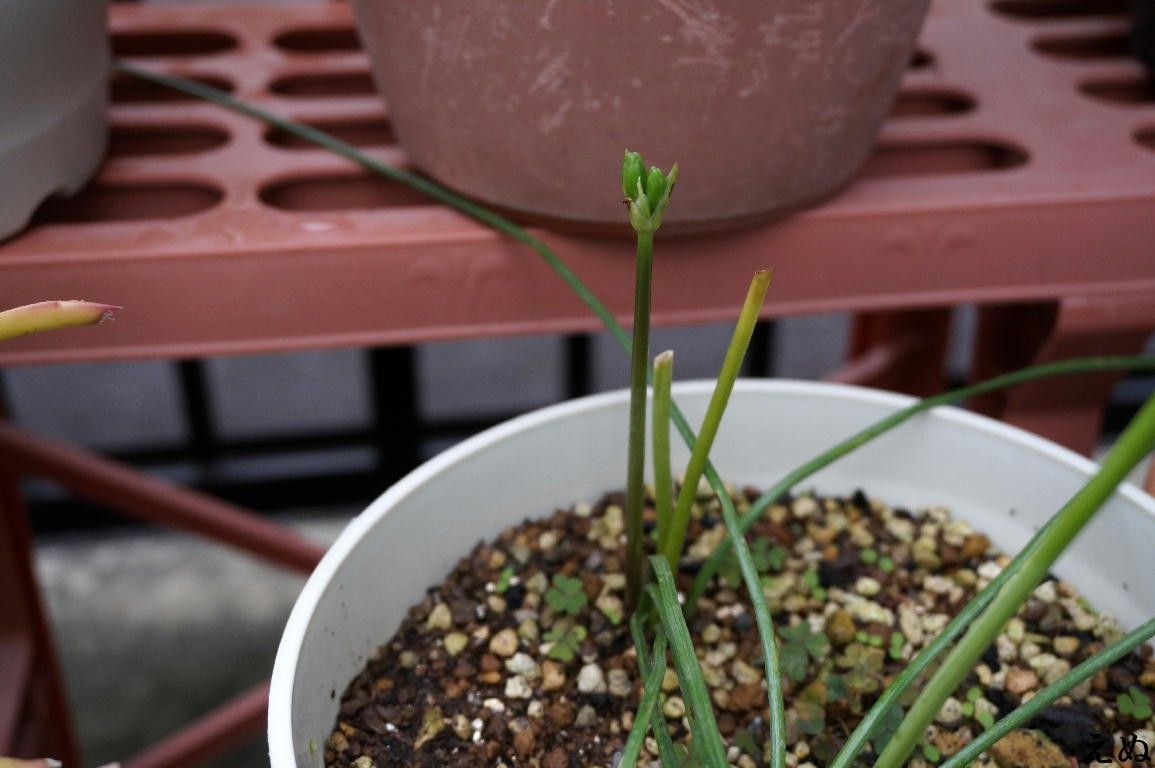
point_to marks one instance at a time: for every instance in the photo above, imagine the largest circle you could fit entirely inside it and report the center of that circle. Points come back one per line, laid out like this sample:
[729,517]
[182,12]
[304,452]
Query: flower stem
[1132,446]
[636,459]
[671,546]
[663,480]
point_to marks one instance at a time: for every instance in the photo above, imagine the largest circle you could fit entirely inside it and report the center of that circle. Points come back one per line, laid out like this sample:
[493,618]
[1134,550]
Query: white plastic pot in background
[54,66]
[1004,481]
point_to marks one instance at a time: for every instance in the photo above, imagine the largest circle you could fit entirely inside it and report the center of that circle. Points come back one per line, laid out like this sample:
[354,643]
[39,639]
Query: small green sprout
[868,556]
[766,555]
[985,719]
[974,693]
[886,565]
[930,753]
[745,741]
[802,644]
[896,642]
[811,581]
[835,687]
[864,667]
[1134,703]
[567,641]
[504,580]
[567,594]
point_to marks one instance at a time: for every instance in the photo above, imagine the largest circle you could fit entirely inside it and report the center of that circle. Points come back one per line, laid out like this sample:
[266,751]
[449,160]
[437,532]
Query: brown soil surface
[521,656]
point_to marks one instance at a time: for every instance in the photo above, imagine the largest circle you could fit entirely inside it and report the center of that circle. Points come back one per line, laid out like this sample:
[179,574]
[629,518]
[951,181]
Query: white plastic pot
[1006,482]
[54,65]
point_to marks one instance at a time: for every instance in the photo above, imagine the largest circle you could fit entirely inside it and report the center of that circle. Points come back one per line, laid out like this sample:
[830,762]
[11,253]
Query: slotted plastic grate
[1019,163]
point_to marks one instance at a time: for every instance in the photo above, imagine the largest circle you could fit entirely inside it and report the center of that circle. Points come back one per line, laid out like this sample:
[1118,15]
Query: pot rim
[282,750]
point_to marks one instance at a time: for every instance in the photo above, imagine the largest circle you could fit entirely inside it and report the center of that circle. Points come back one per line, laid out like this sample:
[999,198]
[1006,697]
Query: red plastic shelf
[1019,164]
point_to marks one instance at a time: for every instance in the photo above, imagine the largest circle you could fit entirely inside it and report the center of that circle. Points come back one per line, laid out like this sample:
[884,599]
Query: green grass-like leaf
[1136,441]
[648,706]
[675,536]
[1044,698]
[706,740]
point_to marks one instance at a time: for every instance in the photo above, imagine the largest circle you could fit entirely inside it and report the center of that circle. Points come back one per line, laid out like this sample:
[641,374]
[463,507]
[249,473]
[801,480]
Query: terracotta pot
[529,104]
[53,93]
[412,536]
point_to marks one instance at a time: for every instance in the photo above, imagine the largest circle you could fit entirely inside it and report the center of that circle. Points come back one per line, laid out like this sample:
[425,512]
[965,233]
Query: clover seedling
[810,708]
[801,645]
[566,641]
[766,555]
[566,595]
[504,580]
[1134,703]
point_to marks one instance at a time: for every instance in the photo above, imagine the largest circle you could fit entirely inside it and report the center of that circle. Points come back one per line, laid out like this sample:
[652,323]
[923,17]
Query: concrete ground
[154,628]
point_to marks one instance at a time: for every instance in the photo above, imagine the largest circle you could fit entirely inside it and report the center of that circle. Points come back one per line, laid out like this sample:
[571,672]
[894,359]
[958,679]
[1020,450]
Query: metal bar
[148,498]
[919,370]
[15,672]
[1068,410]
[197,409]
[874,364]
[230,724]
[578,365]
[34,716]
[760,358]
[396,425]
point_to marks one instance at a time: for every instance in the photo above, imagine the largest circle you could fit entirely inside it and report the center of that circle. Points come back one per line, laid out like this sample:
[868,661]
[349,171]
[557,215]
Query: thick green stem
[1044,698]
[1135,443]
[856,441]
[660,427]
[636,460]
[671,546]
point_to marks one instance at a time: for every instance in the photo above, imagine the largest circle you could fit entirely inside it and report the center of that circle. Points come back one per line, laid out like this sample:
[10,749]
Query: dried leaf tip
[52,315]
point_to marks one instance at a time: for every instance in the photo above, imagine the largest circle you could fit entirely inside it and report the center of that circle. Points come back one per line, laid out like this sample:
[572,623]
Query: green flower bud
[633,172]
[655,186]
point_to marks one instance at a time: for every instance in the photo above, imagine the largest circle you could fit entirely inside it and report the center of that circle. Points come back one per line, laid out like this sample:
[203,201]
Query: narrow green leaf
[660,430]
[667,753]
[1044,698]
[648,706]
[671,547]
[706,740]
[1137,440]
